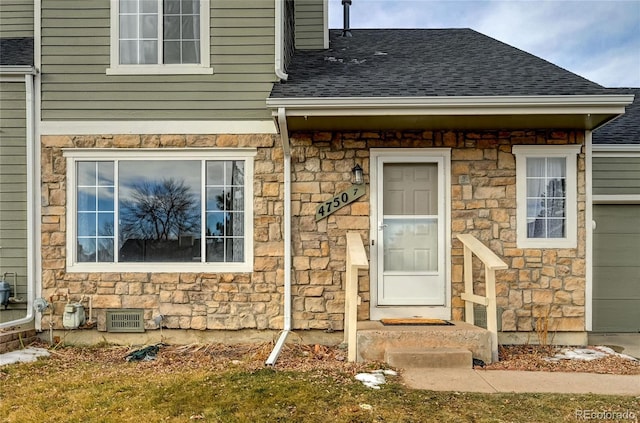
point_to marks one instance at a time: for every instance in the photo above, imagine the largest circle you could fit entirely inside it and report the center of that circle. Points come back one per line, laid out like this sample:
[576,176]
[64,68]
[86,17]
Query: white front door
[409,233]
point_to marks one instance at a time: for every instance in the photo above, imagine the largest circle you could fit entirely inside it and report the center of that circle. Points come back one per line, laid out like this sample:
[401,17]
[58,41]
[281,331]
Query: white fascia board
[616,150]
[157,127]
[17,70]
[478,105]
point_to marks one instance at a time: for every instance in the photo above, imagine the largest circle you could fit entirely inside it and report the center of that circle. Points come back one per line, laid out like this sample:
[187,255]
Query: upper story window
[159,37]
[160,211]
[546,185]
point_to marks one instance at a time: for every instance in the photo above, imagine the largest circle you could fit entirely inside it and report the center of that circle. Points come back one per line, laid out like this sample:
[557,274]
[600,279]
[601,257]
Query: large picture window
[160,36]
[148,210]
[546,196]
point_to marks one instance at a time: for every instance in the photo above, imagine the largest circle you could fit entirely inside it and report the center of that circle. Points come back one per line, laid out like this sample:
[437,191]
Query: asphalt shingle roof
[626,128]
[16,51]
[424,62]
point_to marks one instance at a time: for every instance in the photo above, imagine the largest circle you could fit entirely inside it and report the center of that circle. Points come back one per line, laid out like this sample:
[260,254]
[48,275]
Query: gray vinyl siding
[309,24]
[16,18]
[616,175]
[13,185]
[75,57]
[616,268]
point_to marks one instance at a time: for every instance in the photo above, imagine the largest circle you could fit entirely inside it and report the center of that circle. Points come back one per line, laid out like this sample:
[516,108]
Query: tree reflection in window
[156,220]
[155,209]
[225,211]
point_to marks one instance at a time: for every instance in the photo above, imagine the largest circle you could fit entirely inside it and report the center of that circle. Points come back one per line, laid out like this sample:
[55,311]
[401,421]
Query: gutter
[32,214]
[471,105]
[279,41]
[286,147]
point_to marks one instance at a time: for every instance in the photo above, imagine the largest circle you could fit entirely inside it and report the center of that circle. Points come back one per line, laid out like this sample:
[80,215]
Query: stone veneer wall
[539,282]
[187,300]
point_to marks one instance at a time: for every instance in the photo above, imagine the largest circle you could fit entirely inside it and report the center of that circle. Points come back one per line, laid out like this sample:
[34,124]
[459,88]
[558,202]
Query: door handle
[381,226]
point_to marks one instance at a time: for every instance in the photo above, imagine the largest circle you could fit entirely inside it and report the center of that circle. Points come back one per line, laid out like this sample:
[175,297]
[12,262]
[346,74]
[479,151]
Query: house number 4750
[339,200]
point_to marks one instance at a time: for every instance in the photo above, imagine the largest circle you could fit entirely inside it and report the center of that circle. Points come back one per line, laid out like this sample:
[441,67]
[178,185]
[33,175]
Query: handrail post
[492,311]
[356,259]
[491,263]
[468,285]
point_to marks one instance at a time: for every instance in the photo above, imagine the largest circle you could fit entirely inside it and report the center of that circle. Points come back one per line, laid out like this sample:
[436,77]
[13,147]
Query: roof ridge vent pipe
[346,31]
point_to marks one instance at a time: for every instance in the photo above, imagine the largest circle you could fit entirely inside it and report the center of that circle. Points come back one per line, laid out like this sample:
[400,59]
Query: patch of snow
[608,350]
[26,355]
[586,354]
[375,378]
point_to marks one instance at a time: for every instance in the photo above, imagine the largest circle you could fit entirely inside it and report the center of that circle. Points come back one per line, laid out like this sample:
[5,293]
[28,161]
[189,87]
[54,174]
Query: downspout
[279,41]
[286,148]
[31,214]
[37,171]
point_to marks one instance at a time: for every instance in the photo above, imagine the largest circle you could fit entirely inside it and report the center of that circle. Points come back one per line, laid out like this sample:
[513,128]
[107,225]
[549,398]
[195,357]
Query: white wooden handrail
[356,259]
[491,263]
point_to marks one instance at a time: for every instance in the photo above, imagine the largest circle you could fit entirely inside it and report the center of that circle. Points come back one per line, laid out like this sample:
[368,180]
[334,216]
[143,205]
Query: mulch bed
[532,358]
[326,359]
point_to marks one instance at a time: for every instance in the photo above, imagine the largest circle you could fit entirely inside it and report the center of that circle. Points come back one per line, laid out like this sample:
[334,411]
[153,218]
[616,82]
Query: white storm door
[411,234]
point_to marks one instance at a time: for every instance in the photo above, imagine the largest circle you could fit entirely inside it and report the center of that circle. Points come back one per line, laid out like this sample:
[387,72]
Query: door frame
[376,311]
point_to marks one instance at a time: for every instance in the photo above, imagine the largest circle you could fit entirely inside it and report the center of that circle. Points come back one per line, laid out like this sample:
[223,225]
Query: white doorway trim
[378,312]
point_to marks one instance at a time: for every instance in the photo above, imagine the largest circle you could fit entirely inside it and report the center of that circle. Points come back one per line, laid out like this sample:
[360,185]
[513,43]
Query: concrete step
[374,339]
[434,358]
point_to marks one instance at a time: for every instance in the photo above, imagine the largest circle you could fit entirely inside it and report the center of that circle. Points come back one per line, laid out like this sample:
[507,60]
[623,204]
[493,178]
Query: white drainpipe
[279,41]
[32,214]
[284,135]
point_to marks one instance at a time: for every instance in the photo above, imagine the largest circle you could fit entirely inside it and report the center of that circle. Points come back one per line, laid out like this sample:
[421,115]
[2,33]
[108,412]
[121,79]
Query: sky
[597,39]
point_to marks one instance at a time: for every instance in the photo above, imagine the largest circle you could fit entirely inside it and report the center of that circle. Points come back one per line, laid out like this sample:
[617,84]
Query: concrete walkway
[493,381]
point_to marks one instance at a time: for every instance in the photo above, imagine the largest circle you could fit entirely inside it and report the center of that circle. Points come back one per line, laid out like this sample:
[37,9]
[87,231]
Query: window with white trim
[546,193]
[160,210]
[159,36]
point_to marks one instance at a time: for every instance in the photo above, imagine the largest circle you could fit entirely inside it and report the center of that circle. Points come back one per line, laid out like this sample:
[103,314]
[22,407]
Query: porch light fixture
[357,175]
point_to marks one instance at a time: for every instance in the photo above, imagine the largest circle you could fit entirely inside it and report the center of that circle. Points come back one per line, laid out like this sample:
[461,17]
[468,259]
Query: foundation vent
[125,320]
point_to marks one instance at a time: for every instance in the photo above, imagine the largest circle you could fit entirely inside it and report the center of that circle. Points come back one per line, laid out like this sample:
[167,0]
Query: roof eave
[478,112]
[472,105]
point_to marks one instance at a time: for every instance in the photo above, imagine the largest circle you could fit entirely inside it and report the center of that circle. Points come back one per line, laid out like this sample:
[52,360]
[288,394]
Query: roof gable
[425,63]
[626,128]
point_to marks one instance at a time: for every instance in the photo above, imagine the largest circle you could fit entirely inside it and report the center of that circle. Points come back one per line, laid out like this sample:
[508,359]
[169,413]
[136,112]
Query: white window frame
[570,154]
[74,155]
[202,68]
